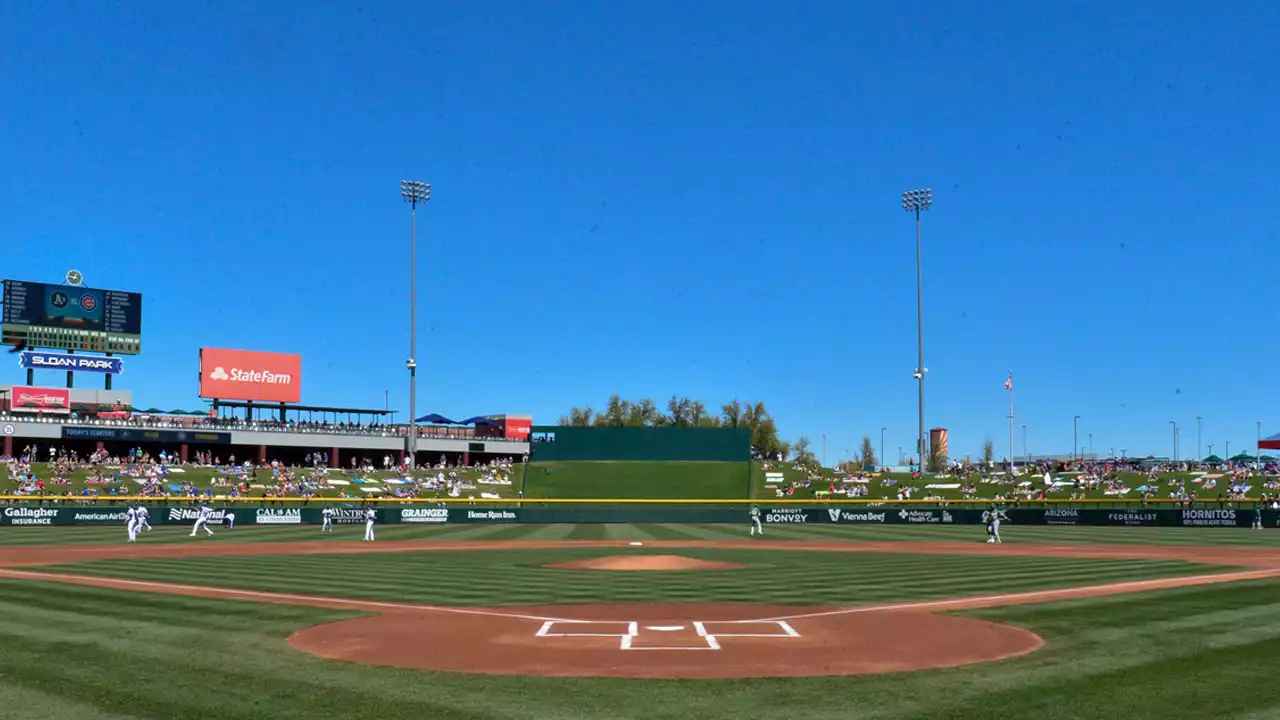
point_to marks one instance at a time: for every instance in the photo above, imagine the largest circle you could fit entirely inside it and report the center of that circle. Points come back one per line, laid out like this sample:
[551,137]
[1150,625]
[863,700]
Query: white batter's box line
[711,638]
[782,625]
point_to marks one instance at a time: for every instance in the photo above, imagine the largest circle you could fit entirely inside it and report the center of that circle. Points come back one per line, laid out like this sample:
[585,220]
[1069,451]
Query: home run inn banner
[838,515]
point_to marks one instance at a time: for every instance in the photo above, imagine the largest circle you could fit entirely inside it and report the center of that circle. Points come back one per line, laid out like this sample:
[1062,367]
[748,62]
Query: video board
[68,317]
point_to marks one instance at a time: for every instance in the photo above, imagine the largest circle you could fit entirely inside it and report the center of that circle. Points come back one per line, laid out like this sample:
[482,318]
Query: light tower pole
[883,462]
[1199,457]
[1075,434]
[413,193]
[1174,423]
[917,201]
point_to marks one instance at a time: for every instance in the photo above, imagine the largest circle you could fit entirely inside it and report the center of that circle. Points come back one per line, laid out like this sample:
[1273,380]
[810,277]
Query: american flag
[1008,384]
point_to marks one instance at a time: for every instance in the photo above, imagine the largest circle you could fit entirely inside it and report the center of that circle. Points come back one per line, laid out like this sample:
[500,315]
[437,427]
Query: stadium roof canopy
[297,411]
[1271,443]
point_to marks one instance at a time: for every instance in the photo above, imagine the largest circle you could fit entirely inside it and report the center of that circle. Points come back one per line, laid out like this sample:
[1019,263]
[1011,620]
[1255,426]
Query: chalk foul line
[1050,595]
[261,596]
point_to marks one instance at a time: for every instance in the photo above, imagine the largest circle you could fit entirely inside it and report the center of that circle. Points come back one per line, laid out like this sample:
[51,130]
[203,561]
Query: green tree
[937,459]
[868,453]
[803,454]
[731,414]
[577,417]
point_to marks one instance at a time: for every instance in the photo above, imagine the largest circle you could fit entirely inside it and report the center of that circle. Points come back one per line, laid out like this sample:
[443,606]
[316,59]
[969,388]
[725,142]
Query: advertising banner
[75,432]
[44,401]
[34,360]
[280,516]
[249,375]
[424,515]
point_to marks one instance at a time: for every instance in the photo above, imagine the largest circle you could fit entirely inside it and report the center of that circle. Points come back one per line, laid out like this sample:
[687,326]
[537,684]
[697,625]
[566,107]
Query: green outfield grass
[78,652]
[518,577]
[469,532]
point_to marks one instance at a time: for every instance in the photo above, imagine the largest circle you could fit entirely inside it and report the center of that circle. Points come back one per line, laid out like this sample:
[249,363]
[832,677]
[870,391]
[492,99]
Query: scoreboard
[68,317]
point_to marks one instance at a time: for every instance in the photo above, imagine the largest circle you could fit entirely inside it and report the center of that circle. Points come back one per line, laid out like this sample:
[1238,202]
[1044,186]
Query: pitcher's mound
[645,562]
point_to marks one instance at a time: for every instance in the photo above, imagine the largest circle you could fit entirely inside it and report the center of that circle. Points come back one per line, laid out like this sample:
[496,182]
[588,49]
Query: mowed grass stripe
[112,534]
[517,577]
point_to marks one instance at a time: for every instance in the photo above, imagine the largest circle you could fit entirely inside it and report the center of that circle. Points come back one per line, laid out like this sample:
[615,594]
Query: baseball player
[756,527]
[327,514]
[1257,515]
[992,517]
[131,522]
[368,524]
[202,520]
[143,518]
[229,519]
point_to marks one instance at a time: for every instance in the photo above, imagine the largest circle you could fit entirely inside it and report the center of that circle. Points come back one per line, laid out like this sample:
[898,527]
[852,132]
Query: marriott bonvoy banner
[250,375]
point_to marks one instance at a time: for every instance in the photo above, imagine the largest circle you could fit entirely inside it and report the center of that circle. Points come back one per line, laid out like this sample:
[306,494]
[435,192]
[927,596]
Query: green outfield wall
[567,444]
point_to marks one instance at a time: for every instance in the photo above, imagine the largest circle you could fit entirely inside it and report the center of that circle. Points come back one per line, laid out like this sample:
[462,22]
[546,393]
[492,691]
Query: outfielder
[131,522]
[368,524]
[992,517]
[756,527]
[143,518]
[327,514]
[229,519]
[202,520]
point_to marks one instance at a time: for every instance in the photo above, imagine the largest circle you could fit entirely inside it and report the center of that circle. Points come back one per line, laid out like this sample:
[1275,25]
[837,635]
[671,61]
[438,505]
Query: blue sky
[657,198]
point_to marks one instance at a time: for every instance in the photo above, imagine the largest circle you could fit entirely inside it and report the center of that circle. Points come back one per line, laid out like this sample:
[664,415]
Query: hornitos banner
[1213,518]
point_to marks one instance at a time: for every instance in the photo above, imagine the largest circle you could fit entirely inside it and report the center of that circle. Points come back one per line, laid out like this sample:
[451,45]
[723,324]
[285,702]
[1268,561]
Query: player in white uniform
[143,518]
[368,524]
[992,518]
[229,519]
[327,514]
[202,521]
[131,522]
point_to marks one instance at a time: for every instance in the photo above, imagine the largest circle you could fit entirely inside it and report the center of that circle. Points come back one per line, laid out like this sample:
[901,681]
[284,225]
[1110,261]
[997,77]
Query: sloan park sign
[35,360]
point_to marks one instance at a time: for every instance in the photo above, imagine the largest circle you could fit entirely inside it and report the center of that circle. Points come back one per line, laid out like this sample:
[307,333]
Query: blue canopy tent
[438,419]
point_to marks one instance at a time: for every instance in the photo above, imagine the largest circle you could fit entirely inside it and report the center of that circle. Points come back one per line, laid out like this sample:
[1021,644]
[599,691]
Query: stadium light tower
[413,193]
[917,201]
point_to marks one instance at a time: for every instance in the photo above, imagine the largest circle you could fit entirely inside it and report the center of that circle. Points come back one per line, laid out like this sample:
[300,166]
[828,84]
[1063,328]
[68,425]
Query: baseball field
[655,621]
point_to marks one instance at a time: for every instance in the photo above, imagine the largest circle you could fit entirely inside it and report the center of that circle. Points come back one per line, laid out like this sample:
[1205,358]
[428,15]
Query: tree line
[684,412]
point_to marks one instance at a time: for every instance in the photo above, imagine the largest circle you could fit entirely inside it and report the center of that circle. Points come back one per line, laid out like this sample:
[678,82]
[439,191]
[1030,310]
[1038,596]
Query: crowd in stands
[373,429]
[162,475]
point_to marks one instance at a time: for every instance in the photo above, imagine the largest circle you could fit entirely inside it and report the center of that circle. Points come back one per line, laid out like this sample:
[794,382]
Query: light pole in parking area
[917,201]
[413,192]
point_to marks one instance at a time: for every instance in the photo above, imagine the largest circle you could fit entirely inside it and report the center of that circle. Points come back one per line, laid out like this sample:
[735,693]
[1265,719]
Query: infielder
[992,517]
[202,521]
[131,522]
[756,527]
[368,524]
[327,514]
[143,518]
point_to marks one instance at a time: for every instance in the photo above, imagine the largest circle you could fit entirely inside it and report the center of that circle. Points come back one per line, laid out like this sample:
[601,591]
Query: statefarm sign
[250,375]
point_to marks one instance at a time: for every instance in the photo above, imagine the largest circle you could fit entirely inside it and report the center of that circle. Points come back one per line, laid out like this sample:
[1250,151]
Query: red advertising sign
[250,375]
[519,428]
[54,401]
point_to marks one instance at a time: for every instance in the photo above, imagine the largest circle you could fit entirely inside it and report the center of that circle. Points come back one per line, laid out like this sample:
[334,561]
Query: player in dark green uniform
[756,527]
